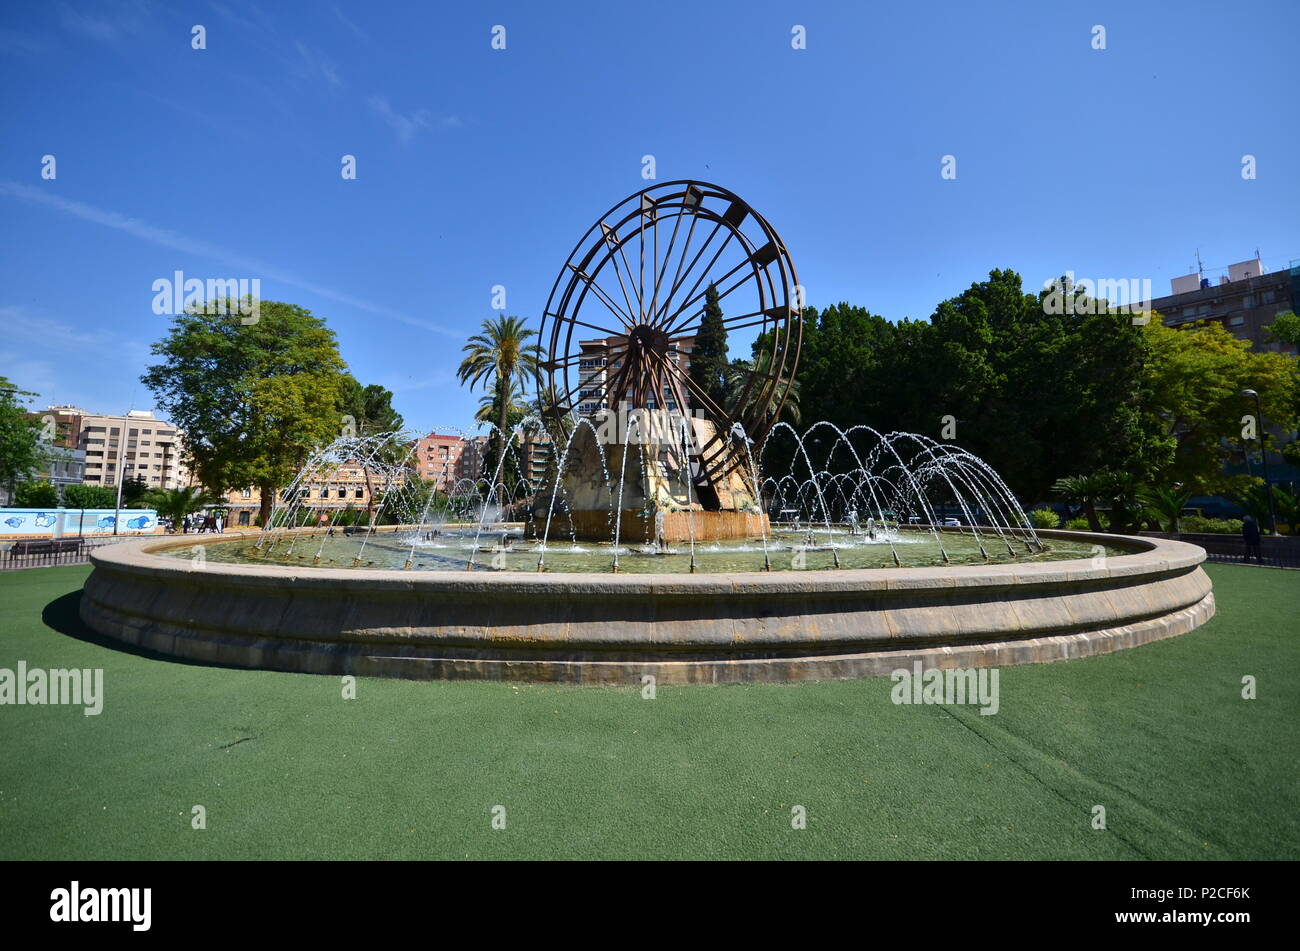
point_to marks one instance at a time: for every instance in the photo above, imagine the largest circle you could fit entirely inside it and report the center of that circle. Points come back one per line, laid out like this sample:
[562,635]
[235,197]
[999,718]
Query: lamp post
[1263,456]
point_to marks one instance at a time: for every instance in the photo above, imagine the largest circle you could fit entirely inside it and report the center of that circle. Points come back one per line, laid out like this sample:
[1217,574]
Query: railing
[45,552]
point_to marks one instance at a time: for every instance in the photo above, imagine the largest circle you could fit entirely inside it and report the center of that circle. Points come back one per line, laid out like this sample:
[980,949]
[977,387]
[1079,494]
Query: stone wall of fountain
[615,628]
[595,625]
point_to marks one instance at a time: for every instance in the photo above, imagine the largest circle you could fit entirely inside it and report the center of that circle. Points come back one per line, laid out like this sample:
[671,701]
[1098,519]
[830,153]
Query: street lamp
[1263,456]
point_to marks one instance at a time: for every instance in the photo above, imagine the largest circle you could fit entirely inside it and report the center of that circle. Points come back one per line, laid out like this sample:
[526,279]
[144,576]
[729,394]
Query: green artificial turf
[286,768]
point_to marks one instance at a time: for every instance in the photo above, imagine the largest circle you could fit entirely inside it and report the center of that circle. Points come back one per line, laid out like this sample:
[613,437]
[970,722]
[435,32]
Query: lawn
[286,768]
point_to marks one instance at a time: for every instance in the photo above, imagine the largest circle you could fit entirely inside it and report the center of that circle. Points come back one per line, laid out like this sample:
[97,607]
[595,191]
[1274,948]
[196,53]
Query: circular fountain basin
[587,627]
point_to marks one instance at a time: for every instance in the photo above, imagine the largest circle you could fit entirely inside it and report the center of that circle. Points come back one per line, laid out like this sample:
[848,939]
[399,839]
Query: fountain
[681,531]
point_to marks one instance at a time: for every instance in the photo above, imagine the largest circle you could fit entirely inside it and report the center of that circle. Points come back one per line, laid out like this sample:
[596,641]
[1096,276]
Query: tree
[36,495]
[1285,328]
[709,366]
[89,497]
[1165,506]
[20,448]
[134,492]
[253,399]
[1193,378]
[371,409]
[175,504]
[1086,491]
[739,374]
[500,357]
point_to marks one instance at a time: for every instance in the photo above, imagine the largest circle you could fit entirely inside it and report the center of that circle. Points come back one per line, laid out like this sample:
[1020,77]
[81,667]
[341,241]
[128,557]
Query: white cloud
[316,63]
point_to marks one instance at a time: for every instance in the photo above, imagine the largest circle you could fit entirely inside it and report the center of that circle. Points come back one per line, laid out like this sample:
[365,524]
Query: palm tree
[500,357]
[489,410]
[740,372]
[178,503]
[1084,490]
[1165,505]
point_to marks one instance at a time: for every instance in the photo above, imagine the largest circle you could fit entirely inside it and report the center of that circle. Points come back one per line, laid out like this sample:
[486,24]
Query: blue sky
[478,167]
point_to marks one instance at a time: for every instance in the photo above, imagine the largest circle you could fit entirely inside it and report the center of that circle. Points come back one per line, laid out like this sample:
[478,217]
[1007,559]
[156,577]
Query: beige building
[126,447]
[327,493]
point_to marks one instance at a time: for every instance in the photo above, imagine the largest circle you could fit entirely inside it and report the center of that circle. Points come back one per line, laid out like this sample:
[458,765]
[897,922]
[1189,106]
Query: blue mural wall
[77,521]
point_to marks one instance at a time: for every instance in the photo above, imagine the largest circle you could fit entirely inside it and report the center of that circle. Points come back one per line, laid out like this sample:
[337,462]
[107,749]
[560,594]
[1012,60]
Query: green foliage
[1255,501]
[1196,524]
[1285,328]
[20,448]
[1044,518]
[371,407]
[177,503]
[1039,396]
[89,497]
[709,365]
[753,374]
[1165,505]
[134,492]
[1194,381]
[500,358]
[1078,525]
[35,495]
[253,400]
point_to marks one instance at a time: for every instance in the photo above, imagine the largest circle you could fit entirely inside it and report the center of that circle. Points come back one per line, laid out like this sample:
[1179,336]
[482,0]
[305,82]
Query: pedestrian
[1250,532]
[220,522]
[185,525]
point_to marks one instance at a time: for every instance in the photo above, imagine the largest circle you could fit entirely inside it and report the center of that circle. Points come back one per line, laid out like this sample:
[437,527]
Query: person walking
[1250,532]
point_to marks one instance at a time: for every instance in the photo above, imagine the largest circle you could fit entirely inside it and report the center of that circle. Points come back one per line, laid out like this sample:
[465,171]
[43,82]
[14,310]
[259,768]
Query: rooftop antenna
[1200,268]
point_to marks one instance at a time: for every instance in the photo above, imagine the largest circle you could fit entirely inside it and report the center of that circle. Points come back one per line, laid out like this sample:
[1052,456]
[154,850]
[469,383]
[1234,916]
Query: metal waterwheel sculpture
[637,281]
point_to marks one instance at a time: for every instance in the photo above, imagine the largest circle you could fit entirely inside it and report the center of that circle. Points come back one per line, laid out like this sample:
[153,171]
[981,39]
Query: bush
[1078,525]
[89,497]
[35,495]
[1213,526]
[1044,518]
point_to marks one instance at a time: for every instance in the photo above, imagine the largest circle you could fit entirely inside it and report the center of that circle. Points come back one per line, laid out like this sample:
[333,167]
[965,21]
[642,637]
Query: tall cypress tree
[709,355]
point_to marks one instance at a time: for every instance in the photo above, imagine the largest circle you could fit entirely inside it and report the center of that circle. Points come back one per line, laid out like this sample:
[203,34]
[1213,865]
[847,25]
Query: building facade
[437,457]
[1245,300]
[113,448]
[599,362]
[326,493]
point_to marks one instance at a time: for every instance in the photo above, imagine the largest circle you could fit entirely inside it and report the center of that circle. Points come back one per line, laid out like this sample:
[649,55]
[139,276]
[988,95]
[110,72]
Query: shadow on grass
[63,615]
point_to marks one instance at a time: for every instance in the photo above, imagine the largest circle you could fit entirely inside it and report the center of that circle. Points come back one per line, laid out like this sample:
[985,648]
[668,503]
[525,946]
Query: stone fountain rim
[1141,556]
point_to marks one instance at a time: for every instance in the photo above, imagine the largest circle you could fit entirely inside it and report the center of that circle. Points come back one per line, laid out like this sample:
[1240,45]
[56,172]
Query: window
[1236,321]
[1270,297]
[247,493]
[361,493]
[1248,301]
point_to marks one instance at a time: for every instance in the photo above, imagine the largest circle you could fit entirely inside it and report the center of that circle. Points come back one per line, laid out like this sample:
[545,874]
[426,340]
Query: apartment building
[437,457]
[599,362]
[1245,299]
[109,448]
